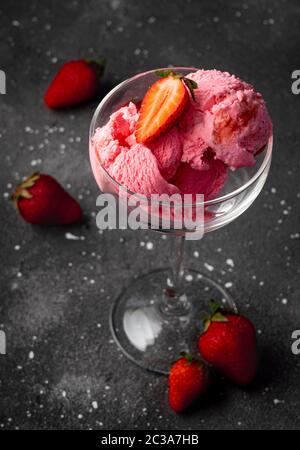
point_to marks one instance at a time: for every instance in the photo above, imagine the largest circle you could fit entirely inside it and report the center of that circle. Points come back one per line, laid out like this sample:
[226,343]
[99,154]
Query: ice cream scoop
[228,116]
[137,169]
[208,181]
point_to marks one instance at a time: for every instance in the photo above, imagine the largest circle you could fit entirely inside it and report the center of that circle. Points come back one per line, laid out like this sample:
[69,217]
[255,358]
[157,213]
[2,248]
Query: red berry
[75,82]
[162,105]
[188,380]
[41,200]
[229,344]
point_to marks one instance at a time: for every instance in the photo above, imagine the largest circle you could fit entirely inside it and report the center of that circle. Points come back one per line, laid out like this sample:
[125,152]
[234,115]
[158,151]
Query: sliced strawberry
[161,107]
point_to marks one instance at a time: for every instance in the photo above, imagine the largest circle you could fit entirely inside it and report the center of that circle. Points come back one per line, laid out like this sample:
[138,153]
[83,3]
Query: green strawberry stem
[22,188]
[187,356]
[214,316]
[98,65]
[190,84]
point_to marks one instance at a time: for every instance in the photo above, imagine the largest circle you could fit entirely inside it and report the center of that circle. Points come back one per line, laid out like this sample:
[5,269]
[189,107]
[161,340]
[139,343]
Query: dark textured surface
[55,292]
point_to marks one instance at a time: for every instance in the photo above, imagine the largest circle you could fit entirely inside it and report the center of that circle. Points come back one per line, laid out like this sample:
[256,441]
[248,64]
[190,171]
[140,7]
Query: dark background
[56,292]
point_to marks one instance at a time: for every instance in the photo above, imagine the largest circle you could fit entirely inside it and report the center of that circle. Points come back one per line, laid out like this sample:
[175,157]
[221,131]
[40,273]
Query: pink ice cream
[225,127]
[209,182]
[137,169]
[228,117]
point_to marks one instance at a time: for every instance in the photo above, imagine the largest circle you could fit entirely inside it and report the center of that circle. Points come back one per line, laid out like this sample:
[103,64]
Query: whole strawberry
[188,380]
[76,82]
[41,200]
[229,344]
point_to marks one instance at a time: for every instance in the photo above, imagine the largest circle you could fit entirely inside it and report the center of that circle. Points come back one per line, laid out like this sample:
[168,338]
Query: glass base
[152,328]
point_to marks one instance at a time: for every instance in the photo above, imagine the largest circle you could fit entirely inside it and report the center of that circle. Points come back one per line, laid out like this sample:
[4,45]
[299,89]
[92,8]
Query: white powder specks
[31,355]
[73,237]
[95,404]
[189,277]
[230,262]
[149,246]
[208,267]
[228,285]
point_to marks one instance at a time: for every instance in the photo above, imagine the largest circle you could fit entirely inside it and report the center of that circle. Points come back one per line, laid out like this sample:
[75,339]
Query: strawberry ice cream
[223,128]
[227,116]
[137,169]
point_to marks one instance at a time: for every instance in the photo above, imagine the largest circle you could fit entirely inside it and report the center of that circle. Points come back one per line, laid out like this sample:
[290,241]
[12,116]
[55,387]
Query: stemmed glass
[158,314]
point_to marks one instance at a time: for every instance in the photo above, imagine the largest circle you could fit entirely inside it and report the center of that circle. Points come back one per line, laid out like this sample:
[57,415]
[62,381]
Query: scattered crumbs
[228,285]
[151,19]
[17,247]
[261,283]
[73,237]
[64,394]
[164,236]
[189,277]
[35,162]
[31,355]
[19,367]
[284,301]
[285,212]
[92,281]
[196,254]
[259,331]
[276,401]
[95,404]
[149,246]
[208,267]
[15,23]
[216,19]
[295,236]
[230,262]
[142,244]
[273,190]
[219,250]
[80,416]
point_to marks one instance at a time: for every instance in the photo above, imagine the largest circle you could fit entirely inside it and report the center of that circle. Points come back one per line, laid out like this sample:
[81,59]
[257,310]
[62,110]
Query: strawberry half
[41,200]
[162,105]
[229,344]
[188,380]
[75,82]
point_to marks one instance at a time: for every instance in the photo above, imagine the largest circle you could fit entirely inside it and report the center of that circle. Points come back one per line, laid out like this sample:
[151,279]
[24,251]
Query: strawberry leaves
[190,84]
[22,188]
[214,316]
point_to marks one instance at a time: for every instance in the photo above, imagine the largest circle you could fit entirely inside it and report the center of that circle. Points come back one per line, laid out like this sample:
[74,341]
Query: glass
[158,314]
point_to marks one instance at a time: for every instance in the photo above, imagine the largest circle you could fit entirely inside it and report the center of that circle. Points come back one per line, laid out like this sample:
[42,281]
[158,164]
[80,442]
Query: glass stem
[177,256]
[174,301]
